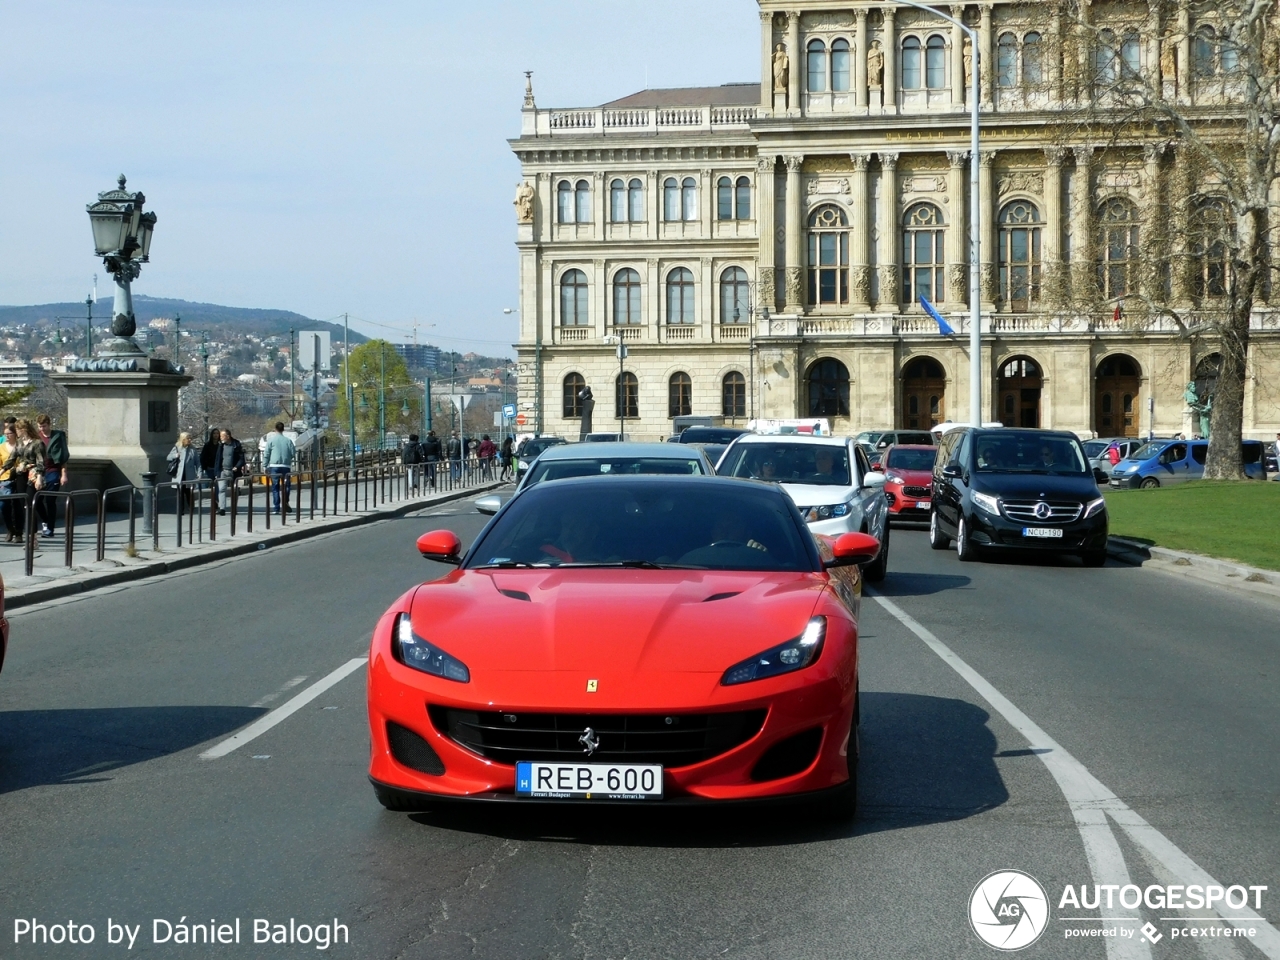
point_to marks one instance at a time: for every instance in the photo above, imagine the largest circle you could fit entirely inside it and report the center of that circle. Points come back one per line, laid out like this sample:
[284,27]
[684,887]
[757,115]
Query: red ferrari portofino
[646,639]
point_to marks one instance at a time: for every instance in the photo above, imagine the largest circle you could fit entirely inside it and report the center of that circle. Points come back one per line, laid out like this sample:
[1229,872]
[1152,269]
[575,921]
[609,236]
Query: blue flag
[944,328]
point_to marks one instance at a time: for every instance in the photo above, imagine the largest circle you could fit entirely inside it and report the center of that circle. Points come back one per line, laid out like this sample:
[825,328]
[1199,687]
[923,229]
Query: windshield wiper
[503,565]
[632,564]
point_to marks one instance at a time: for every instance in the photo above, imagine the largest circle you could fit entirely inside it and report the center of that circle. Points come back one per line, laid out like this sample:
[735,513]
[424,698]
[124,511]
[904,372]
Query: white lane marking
[1091,803]
[283,712]
[275,696]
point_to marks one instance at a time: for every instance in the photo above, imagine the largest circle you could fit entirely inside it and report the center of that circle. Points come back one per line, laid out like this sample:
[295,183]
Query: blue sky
[316,156]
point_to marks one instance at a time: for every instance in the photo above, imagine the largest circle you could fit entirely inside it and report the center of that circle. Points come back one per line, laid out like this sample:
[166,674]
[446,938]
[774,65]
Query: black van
[1012,489]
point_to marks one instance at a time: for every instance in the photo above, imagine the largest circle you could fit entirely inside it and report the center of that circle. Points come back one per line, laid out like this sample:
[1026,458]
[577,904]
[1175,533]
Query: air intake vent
[516,595]
[721,596]
[412,751]
[789,756]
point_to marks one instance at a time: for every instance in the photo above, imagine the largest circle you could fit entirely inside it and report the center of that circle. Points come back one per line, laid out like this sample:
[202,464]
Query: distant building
[419,356]
[20,374]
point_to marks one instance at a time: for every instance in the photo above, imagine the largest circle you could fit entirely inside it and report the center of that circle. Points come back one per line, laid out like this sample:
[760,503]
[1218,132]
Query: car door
[946,490]
[875,509]
[1195,462]
[1173,464]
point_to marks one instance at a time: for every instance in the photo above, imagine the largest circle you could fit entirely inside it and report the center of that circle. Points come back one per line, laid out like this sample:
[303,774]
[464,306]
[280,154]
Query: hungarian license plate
[1045,533]
[589,781]
[922,505]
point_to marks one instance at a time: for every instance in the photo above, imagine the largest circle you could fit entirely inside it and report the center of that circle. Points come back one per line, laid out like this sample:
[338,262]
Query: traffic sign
[508,410]
[521,419]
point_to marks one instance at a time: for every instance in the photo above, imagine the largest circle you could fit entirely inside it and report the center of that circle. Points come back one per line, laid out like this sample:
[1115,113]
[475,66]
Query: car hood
[815,495]
[619,623]
[916,478]
[1035,486]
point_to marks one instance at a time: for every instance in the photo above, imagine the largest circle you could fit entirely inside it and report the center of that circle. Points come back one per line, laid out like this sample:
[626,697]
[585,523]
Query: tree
[1196,80]
[11,396]
[367,365]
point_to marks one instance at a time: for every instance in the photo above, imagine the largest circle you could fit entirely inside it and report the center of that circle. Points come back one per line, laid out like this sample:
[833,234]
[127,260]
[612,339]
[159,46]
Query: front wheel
[937,539]
[1150,483]
[874,572]
[965,550]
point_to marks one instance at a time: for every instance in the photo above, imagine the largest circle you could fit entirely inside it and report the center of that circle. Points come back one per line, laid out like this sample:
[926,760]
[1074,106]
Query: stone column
[1152,235]
[1183,178]
[707,202]
[859,235]
[653,202]
[984,56]
[1083,280]
[766,61]
[766,205]
[1051,250]
[888,253]
[1053,54]
[795,236]
[860,57]
[987,206]
[794,52]
[957,59]
[958,228]
[889,47]
[1184,51]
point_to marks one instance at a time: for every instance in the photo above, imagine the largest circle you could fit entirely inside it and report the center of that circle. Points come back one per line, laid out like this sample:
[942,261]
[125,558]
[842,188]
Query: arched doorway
[924,394]
[1018,388]
[1118,411]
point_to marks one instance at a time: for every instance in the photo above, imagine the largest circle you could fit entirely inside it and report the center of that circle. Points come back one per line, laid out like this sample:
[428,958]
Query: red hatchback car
[639,639]
[908,471]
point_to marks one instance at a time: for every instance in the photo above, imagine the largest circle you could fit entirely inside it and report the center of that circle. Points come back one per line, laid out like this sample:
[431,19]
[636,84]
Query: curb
[16,598]
[1224,572]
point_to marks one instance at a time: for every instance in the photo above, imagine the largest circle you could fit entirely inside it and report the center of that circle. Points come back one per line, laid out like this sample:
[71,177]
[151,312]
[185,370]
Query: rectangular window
[158,416]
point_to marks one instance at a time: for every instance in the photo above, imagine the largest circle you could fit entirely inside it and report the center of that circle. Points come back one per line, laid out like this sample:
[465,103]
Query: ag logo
[1008,910]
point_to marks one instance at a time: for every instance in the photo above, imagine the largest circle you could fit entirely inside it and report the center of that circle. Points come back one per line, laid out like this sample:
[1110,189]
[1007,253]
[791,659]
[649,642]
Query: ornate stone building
[762,249]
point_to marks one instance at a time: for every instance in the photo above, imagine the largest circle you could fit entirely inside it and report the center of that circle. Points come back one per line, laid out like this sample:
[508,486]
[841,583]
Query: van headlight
[986,503]
[1095,506]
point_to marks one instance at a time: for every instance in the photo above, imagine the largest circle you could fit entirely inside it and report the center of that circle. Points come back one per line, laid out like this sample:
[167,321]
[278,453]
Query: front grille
[1024,511]
[918,492]
[673,740]
[412,751]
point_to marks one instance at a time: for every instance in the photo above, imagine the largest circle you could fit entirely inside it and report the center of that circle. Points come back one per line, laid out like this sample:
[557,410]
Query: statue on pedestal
[1204,409]
[875,66]
[781,69]
[524,202]
[588,407]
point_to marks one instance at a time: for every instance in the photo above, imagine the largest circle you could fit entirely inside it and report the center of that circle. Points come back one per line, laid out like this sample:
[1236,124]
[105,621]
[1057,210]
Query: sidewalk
[52,579]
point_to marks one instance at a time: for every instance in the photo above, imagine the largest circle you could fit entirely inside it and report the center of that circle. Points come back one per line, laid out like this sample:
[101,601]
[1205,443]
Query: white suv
[828,478]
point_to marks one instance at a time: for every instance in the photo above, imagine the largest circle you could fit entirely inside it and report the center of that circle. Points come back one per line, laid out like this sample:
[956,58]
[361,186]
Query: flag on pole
[944,328]
[1116,316]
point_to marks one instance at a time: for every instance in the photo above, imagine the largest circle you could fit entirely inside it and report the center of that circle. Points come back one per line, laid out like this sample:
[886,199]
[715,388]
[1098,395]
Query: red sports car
[908,471]
[647,639]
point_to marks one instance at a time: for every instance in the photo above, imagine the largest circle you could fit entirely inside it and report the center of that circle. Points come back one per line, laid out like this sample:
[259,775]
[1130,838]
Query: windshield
[639,523]
[1148,450]
[532,448]
[710,435]
[910,459]
[821,464]
[868,436]
[1093,449]
[612,466]
[1027,453]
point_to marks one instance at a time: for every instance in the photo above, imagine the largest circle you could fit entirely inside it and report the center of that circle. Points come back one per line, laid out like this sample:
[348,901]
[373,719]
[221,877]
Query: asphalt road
[1157,690]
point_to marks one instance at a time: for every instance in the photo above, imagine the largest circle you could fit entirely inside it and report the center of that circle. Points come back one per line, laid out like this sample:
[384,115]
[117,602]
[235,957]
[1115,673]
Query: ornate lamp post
[122,237]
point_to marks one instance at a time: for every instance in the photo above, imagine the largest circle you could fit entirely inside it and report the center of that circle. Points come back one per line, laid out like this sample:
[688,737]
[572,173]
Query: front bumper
[903,507]
[1002,533]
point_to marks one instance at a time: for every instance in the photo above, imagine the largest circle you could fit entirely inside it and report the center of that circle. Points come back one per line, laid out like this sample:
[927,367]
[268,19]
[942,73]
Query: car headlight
[1095,506]
[986,502]
[523,464]
[415,652]
[793,655]
[814,514]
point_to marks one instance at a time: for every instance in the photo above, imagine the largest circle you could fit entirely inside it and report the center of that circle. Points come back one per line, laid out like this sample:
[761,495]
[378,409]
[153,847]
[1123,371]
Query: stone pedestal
[129,417]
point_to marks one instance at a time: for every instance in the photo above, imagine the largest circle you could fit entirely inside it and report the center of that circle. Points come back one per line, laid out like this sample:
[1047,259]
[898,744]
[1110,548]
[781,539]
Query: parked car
[1017,489]
[828,478]
[908,478]
[607,438]
[681,640]
[1165,462]
[531,448]
[1098,450]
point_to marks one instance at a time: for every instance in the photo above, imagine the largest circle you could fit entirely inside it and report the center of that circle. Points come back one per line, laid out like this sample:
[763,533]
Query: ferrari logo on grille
[590,742]
[592,685]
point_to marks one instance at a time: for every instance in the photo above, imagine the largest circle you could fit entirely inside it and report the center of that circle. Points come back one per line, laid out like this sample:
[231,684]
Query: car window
[909,459]
[1148,450]
[1027,453]
[1093,449]
[1174,454]
[622,522]
[613,466]
[1199,453]
[867,436]
[962,451]
[925,439]
[822,464]
[864,464]
[1250,452]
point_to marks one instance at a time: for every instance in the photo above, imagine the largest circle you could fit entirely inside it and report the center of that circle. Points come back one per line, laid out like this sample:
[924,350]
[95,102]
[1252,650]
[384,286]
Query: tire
[1149,483]
[1094,558]
[937,539]
[874,571]
[841,805]
[965,551]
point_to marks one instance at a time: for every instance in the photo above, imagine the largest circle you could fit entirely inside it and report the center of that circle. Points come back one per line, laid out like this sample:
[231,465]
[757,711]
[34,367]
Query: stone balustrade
[600,120]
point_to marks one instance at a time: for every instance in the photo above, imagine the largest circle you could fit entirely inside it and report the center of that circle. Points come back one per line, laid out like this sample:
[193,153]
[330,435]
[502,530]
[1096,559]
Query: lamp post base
[120,347]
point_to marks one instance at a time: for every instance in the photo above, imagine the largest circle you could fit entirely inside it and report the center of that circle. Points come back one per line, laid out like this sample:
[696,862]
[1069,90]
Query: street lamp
[751,343]
[122,237]
[204,360]
[621,393]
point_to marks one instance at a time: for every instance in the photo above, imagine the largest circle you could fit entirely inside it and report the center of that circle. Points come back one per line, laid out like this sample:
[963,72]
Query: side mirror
[951,471]
[1100,476]
[490,504]
[852,548]
[873,479]
[442,545]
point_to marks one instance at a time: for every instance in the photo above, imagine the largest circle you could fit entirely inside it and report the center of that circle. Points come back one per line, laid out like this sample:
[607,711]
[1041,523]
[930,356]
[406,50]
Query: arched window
[1019,255]
[911,63]
[817,63]
[626,396]
[935,63]
[742,208]
[735,294]
[1211,228]
[1228,55]
[924,394]
[1118,266]
[564,202]
[1032,62]
[582,201]
[1204,52]
[670,199]
[828,255]
[1131,55]
[635,201]
[679,395]
[828,389]
[689,198]
[724,199]
[1207,369]
[617,202]
[923,257]
[1007,60]
[733,395]
[840,66]
[680,296]
[626,297]
[572,406]
[573,299]
[1107,59]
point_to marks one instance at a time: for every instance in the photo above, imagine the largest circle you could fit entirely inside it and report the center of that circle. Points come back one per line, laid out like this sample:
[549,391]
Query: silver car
[1096,451]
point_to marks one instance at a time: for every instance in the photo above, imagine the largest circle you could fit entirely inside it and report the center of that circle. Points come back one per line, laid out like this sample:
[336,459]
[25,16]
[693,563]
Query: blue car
[1164,462]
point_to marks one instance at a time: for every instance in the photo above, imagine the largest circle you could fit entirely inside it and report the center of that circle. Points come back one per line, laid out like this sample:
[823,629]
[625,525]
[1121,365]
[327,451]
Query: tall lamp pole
[204,359]
[382,396]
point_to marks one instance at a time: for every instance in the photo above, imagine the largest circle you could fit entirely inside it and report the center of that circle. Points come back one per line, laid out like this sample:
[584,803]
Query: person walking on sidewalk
[229,464]
[7,446]
[431,453]
[55,472]
[505,457]
[183,463]
[277,462]
[26,465]
[209,462]
[455,457]
[411,457]
[487,451]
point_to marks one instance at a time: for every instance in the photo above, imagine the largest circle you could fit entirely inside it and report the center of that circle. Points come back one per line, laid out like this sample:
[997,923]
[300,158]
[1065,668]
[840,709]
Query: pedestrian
[209,462]
[1113,453]
[455,457]
[431,454]
[1277,452]
[55,471]
[183,463]
[7,446]
[411,457]
[277,462]
[228,465]
[25,464]
[505,457]
[487,450]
